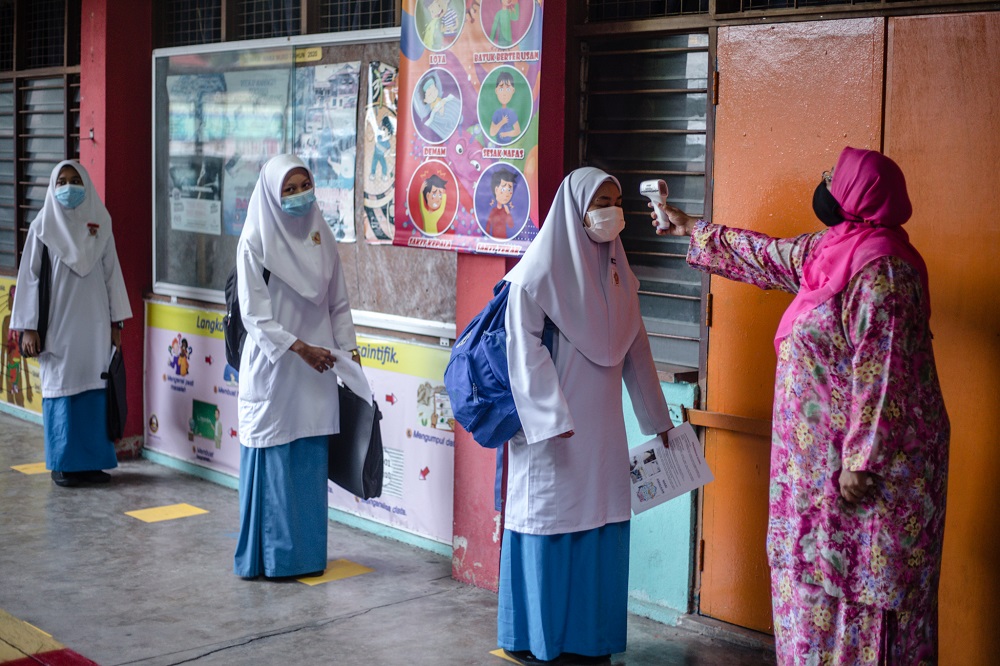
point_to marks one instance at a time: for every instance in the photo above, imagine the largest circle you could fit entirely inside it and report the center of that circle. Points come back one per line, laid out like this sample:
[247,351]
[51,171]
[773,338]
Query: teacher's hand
[566,435]
[681,224]
[319,359]
[856,486]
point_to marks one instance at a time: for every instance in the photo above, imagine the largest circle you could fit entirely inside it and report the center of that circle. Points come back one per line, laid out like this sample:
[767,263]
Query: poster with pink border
[467,132]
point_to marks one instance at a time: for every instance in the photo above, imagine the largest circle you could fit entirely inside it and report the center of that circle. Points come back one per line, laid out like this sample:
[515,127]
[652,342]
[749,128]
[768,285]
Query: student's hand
[566,435]
[663,436]
[681,223]
[356,356]
[856,486]
[319,359]
[31,344]
[116,337]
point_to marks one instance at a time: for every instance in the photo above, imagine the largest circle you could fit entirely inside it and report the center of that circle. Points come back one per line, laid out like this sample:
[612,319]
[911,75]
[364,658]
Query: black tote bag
[355,461]
[117,409]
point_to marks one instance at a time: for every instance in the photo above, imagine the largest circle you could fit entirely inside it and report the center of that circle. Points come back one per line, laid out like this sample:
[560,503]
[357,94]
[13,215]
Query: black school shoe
[93,476]
[64,480]
[570,659]
[527,658]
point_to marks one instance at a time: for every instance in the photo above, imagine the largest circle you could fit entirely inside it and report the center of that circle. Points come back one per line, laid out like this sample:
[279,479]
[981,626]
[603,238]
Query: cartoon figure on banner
[439,22]
[432,198]
[437,105]
[380,153]
[508,23]
[16,377]
[502,201]
[434,407]
[507,87]
[180,355]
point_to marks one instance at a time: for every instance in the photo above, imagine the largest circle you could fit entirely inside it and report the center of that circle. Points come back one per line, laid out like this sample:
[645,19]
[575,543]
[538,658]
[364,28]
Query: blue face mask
[298,204]
[70,196]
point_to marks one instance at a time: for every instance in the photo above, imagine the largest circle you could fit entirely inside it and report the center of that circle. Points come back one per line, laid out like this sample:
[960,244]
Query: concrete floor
[121,591]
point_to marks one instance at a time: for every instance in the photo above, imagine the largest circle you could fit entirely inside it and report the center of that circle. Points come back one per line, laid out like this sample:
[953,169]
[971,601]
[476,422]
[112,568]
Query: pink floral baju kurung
[856,388]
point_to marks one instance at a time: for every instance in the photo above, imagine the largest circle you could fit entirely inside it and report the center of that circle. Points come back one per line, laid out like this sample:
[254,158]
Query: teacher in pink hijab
[859,446]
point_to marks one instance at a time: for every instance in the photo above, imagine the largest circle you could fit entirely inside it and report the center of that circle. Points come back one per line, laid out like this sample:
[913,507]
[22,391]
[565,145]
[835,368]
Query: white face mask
[605,224]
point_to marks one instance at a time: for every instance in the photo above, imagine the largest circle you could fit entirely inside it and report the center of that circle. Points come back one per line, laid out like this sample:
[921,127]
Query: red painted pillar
[115,89]
[477,526]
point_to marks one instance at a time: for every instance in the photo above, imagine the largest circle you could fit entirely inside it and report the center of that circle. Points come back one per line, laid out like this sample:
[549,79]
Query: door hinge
[708,310]
[715,88]
[701,556]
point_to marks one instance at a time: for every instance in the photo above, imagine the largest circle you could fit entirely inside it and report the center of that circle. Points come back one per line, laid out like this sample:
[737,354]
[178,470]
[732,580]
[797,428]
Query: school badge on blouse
[92,228]
[315,238]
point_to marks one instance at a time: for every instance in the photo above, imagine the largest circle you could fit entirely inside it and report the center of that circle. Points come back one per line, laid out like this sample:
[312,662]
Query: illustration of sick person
[505,125]
[184,359]
[175,353]
[440,114]
[500,222]
[13,365]
[501,34]
[433,200]
[443,22]
[383,144]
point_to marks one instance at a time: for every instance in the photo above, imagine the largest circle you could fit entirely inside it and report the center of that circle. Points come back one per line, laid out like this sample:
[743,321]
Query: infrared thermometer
[656,191]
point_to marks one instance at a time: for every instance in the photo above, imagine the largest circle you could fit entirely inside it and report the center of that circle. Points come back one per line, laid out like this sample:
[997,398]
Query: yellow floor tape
[157,513]
[19,639]
[32,468]
[337,570]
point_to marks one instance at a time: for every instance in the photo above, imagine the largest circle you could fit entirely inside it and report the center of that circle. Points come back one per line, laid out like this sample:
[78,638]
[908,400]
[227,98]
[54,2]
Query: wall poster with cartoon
[467,132]
[20,384]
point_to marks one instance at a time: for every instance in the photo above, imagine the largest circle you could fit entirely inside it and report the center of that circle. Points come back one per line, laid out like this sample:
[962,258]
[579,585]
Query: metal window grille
[259,19]
[644,116]
[337,15]
[8,223]
[611,10]
[192,22]
[44,28]
[734,6]
[6,35]
[48,113]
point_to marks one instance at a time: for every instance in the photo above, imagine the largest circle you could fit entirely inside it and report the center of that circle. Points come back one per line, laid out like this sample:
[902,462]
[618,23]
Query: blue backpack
[477,378]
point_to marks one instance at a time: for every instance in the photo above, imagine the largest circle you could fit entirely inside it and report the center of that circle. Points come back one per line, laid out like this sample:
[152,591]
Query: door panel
[943,127]
[791,97]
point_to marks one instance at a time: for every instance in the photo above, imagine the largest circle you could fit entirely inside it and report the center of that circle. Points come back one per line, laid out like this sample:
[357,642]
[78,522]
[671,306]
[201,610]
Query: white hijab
[286,244]
[572,278]
[77,236]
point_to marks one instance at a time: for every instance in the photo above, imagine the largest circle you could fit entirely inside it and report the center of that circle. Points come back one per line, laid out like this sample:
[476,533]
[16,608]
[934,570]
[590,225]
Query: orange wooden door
[943,127]
[791,97]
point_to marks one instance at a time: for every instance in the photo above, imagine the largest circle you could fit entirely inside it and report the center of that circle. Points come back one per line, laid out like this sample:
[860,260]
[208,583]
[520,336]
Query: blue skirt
[283,515]
[564,592]
[76,433]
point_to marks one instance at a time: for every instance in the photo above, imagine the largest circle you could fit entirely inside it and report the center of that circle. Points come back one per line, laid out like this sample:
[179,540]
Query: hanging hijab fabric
[300,250]
[871,191]
[76,236]
[587,289]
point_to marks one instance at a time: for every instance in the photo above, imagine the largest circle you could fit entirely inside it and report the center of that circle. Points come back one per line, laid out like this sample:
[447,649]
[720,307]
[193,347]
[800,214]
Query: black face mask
[825,206]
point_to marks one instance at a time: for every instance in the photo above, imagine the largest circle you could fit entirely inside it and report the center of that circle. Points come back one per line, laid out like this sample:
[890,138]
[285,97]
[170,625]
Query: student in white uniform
[288,398]
[564,557]
[87,306]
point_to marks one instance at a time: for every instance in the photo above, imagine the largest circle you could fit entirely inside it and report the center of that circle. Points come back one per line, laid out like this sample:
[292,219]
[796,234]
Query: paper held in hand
[659,474]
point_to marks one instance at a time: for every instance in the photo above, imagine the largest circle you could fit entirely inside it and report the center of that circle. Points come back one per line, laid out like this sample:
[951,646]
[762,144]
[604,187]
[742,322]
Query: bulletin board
[221,111]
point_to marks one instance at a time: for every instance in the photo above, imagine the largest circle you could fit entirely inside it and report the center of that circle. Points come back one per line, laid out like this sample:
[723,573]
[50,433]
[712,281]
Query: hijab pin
[315,238]
[616,278]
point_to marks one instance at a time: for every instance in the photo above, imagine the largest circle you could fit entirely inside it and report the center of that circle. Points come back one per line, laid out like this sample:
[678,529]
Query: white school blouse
[555,485]
[77,345]
[281,397]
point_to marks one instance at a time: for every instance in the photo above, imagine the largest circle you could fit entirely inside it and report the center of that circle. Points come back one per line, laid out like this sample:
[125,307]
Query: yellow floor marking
[158,513]
[31,468]
[18,638]
[499,653]
[337,570]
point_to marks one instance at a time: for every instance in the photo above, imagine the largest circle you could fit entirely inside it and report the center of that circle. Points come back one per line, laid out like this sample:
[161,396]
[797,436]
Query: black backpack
[232,321]
[44,301]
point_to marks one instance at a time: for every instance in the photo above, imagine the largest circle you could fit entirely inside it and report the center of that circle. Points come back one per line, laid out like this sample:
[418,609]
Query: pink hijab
[871,191]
